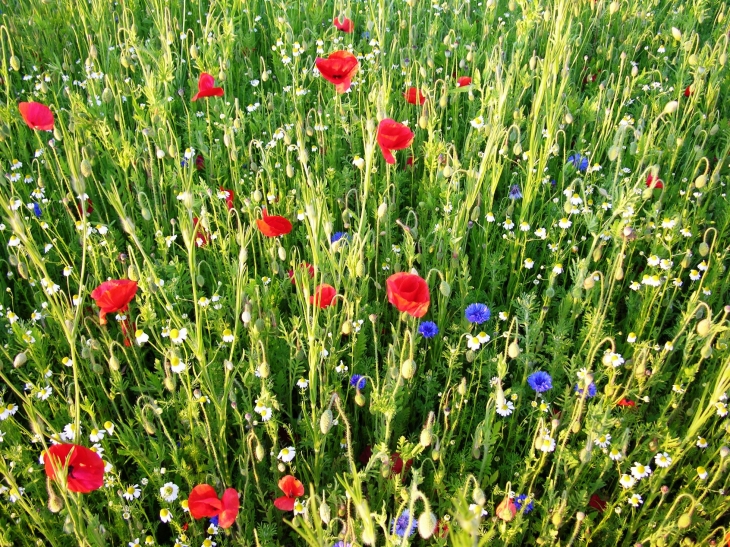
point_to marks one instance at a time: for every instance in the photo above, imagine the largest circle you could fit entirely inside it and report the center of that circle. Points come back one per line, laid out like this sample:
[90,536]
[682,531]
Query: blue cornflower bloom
[183,162]
[514,192]
[519,500]
[591,390]
[37,210]
[342,544]
[358,381]
[540,381]
[400,525]
[428,329]
[214,520]
[338,236]
[477,313]
[366,35]
[579,162]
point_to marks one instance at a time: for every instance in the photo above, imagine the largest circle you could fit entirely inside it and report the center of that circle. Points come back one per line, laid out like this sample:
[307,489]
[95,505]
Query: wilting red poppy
[200,238]
[441,530]
[463,81]
[408,293]
[307,266]
[365,455]
[323,296]
[688,91]
[272,225]
[229,195]
[393,136]
[37,116]
[206,87]
[292,489]
[626,402]
[397,464]
[597,503]
[338,68]
[84,467]
[506,510]
[651,182]
[346,26]
[199,162]
[413,95]
[89,208]
[113,296]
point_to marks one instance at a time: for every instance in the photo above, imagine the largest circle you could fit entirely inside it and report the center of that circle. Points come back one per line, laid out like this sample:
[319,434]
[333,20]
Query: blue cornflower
[37,210]
[519,500]
[342,544]
[428,329]
[477,313]
[591,390]
[183,162]
[579,162]
[366,35]
[514,192]
[338,236]
[214,520]
[540,381]
[358,381]
[400,525]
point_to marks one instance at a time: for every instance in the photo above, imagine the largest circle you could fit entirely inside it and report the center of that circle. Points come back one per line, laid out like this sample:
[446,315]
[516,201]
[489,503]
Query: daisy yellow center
[174,333]
[130,490]
[285,452]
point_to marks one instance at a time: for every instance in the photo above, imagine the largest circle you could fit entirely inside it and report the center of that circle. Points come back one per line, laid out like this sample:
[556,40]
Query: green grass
[588,269]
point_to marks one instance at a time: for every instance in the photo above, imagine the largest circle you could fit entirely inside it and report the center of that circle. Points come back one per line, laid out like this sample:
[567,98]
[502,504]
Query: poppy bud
[671,107]
[113,363]
[613,153]
[568,118]
[618,274]
[289,170]
[701,181]
[478,496]
[20,360]
[685,520]
[443,101]
[360,268]
[359,399]
[575,428]
[426,524]
[703,327]
[259,452]
[264,370]
[613,7]
[426,437]
[470,356]
[14,63]
[325,421]
[448,171]
[557,519]
[423,121]
[382,209]
[125,61]
[676,34]
[462,387]
[55,503]
[86,170]
[589,282]
[172,150]
[408,369]
[257,195]
[107,96]
[93,53]
[324,513]
[281,467]
[445,289]
[513,350]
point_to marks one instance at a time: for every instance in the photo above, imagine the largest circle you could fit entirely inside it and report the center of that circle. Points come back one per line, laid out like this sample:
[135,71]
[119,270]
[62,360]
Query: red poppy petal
[203,502]
[84,467]
[284,503]
[230,505]
[36,115]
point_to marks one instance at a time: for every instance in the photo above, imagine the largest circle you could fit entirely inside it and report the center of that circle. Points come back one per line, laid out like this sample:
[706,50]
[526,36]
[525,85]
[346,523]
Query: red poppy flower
[89,208]
[338,68]
[307,266]
[409,161]
[323,296]
[346,26]
[229,195]
[463,81]
[84,468]
[229,508]
[441,530]
[206,87]
[393,136]
[272,225]
[37,116]
[597,503]
[651,182]
[397,464]
[688,91]
[365,455]
[408,293]
[203,502]
[199,162]
[413,95]
[200,238]
[626,402]
[113,296]
[292,489]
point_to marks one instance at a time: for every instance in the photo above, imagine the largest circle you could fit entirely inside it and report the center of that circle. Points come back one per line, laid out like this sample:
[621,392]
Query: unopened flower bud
[426,524]
[325,421]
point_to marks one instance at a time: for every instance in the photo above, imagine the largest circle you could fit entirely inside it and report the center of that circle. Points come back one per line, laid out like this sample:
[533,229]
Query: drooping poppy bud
[393,136]
[345,26]
[206,87]
[413,95]
[37,116]
[338,68]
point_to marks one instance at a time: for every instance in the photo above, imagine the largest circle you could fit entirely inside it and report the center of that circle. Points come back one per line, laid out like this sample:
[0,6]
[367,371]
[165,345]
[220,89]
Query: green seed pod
[704,249]
[445,289]
[408,369]
[325,421]
[20,360]
[426,524]
[359,399]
